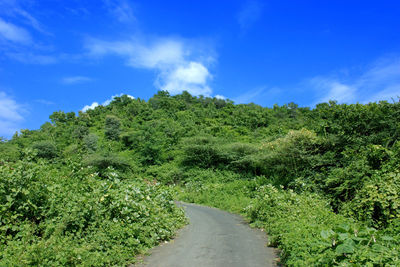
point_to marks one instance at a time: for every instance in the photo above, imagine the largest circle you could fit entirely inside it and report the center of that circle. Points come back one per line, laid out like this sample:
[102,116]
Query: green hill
[97,188]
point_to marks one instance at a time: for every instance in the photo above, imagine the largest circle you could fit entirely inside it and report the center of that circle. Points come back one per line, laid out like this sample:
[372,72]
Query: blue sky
[76,54]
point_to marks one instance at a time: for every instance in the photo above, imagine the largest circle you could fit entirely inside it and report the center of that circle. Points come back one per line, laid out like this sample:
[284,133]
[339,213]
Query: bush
[71,150]
[167,173]
[242,157]
[202,152]
[80,131]
[102,162]
[129,138]
[224,190]
[310,234]
[286,158]
[378,201]
[23,195]
[112,127]
[8,152]
[45,149]
[67,216]
[90,142]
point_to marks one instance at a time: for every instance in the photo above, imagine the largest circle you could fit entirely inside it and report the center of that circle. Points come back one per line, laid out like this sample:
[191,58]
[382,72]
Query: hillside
[97,188]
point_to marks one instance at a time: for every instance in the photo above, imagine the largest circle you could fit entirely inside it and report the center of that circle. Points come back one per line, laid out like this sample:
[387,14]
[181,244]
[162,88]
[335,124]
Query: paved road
[213,238]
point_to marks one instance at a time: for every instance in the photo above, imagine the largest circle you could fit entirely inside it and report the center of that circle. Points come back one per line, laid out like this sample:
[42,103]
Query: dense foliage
[93,189]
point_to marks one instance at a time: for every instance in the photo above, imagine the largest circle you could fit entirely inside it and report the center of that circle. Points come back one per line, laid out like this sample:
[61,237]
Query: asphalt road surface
[213,238]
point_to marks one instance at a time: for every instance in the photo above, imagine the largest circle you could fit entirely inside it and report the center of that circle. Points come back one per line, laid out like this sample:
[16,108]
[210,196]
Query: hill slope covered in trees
[97,188]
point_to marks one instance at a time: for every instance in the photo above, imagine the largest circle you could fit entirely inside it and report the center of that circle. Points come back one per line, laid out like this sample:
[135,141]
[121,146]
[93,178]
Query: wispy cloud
[332,89]
[44,102]
[121,10]
[30,20]
[16,9]
[75,80]
[180,65]
[17,40]
[250,95]
[249,14]
[105,103]
[13,33]
[10,115]
[379,81]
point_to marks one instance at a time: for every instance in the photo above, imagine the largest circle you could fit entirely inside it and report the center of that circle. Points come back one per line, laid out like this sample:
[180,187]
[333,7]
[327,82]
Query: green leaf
[343,236]
[378,248]
[344,228]
[347,247]
[387,238]
[326,234]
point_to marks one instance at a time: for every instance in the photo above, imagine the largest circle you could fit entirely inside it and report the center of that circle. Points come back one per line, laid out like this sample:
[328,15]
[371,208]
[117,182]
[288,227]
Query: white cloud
[250,95]
[8,128]
[13,33]
[16,9]
[380,81]
[383,71]
[9,109]
[105,103]
[10,115]
[160,54]
[75,79]
[249,14]
[108,101]
[92,106]
[44,102]
[389,93]
[193,73]
[30,20]
[220,97]
[331,89]
[176,62]
[16,39]
[191,77]
[120,9]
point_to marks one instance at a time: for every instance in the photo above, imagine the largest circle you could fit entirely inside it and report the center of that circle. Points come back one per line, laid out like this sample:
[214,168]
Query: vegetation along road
[213,238]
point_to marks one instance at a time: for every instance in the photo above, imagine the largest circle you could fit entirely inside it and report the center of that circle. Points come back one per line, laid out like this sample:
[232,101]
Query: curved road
[213,238]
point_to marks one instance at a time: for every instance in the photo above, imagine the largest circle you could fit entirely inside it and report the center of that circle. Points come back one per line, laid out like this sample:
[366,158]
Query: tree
[112,127]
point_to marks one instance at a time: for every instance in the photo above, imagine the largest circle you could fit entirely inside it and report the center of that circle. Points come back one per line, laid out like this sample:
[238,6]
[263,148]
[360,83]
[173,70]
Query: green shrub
[45,149]
[233,196]
[202,152]
[65,215]
[167,173]
[102,162]
[80,131]
[341,184]
[308,233]
[90,142]
[23,195]
[129,138]
[8,152]
[242,157]
[378,201]
[287,158]
[72,150]
[112,127]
